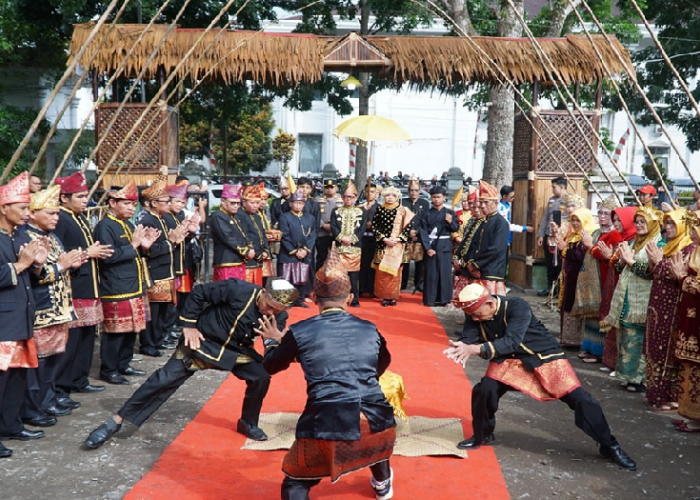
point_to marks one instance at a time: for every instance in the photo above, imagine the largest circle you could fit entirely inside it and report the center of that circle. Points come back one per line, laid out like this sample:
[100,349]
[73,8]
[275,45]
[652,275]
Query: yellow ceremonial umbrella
[372,128]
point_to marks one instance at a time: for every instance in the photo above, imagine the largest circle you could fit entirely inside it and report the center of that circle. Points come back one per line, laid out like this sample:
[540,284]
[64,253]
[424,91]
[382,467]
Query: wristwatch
[270,343]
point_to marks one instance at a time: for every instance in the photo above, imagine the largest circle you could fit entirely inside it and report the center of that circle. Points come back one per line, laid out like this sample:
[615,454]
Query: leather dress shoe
[5,452]
[92,388]
[45,421]
[543,293]
[115,379]
[68,403]
[101,435]
[130,370]
[252,431]
[615,453]
[472,443]
[24,435]
[58,411]
[166,346]
[150,351]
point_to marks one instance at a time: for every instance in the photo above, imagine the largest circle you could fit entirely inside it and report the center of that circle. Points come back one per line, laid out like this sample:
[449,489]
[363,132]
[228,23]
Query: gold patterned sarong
[552,380]
[18,354]
[351,261]
[51,340]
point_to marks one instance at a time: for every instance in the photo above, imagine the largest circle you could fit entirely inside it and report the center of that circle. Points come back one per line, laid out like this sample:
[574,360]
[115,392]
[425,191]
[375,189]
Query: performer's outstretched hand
[193,338]
[459,352]
[267,329]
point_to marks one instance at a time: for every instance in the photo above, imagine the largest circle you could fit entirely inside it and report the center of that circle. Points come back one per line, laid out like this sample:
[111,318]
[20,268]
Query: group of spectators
[628,292]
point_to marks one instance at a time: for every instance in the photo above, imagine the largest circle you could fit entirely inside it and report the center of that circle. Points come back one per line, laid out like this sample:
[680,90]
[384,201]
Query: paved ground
[542,453]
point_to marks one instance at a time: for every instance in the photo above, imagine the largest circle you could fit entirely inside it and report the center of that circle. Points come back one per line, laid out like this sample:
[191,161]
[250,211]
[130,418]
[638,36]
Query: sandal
[583,354]
[636,388]
[662,408]
[590,360]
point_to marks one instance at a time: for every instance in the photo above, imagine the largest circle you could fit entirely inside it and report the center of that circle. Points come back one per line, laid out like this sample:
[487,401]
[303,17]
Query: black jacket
[73,230]
[342,357]
[160,257]
[16,298]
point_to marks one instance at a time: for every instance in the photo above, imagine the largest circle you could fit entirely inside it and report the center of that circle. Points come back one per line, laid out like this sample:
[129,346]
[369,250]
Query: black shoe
[618,455]
[68,403]
[92,388]
[386,303]
[130,370]
[150,351]
[252,431]
[166,346]
[115,379]
[45,421]
[355,303]
[101,435]
[5,452]
[543,293]
[472,443]
[419,288]
[24,435]
[58,411]
[392,302]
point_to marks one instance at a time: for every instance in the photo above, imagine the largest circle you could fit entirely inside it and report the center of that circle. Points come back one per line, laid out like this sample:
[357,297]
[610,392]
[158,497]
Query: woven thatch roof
[273,59]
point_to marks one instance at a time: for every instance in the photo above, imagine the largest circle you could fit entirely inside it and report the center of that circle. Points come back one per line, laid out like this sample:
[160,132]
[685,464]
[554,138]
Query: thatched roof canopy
[274,59]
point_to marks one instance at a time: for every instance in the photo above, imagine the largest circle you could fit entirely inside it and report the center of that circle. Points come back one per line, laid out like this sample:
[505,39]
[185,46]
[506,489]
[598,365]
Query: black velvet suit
[435,234]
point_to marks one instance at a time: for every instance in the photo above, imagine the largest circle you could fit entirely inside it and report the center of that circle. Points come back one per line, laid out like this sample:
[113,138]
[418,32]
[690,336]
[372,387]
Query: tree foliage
[283,148]
[14,122]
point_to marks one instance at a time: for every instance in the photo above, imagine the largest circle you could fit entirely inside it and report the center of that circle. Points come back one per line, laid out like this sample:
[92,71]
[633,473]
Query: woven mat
[420,436]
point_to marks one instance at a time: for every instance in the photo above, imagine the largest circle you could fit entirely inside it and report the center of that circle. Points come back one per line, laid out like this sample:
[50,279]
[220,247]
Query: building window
[310,153]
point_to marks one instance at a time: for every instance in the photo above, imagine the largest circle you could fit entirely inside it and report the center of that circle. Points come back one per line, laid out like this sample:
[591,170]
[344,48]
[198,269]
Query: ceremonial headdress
[610,203]
[472,193]
[574,199]
[471,298]
[178,191]
[283,182]
[647,189]
[252,193]
[128,192]
[16,191]
[232,191]
[413,182]
[281,291]
[332,279]
[350,188]
[488,192]
[298,195]
[392,190]
[653,225]
[72,184]
[158,189]
[46,199]
[263,194]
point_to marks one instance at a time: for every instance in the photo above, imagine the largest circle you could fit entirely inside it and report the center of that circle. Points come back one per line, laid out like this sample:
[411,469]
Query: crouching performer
[525,357]
[347,423]
[218,334]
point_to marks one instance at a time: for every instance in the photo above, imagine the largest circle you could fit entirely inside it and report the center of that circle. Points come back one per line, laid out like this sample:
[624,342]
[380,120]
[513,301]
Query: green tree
[678,28]
[283,149]
[498,18]
[13,124]
[240,122]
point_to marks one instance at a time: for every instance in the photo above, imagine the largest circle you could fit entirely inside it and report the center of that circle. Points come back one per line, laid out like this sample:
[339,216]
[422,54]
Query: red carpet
[205,461]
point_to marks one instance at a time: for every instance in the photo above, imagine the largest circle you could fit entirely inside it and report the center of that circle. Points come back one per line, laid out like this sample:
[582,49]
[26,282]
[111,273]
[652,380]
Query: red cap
[647,189]
[72,184]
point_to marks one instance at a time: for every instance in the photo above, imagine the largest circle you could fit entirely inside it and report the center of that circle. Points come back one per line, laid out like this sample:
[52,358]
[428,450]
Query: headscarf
[395,192]
[652,224]
[682,238]
[587,224]
[626,216]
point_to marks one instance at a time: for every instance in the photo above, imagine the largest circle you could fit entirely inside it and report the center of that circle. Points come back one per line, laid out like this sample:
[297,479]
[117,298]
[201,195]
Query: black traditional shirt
[298,231]
[514,332]
[16,298]
[229,237]
[348,222]
[487,248]
[75,233]
[160,257]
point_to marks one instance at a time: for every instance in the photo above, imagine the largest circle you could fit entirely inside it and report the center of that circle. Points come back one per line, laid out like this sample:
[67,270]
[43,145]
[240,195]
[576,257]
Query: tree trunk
[498,161]
[458,12]
[361,167]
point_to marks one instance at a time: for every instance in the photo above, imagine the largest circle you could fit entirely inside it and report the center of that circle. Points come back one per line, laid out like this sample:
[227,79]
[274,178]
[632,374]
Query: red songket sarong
[552,380]
[125,315]
[224,273]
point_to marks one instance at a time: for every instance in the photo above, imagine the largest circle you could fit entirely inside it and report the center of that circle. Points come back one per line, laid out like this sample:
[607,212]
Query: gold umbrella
[372,128]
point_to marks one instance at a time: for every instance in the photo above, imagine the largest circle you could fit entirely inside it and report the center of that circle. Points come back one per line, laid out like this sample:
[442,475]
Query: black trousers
[366,271]
[417,277]
[438,279]
[116,352]
[552,270]
[166,380]
[298,489]
[40,390]
[74,364]
[12,385]
[152,336]
[355,284]
[588,415]
[323,246]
